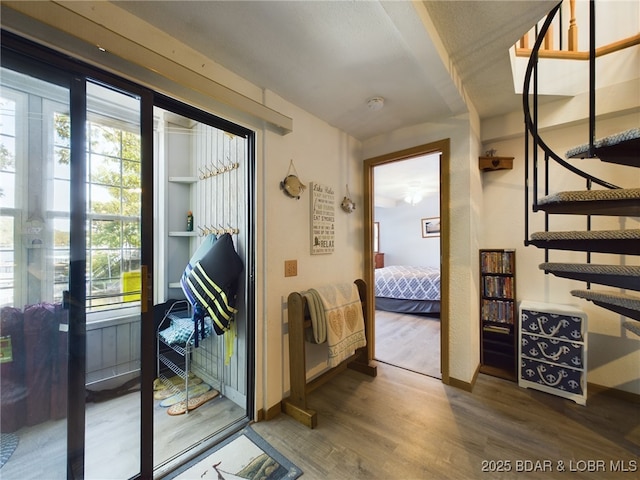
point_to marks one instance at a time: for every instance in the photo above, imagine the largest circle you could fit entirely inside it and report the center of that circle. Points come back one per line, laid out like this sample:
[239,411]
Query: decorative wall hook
[291,185]
[347,204]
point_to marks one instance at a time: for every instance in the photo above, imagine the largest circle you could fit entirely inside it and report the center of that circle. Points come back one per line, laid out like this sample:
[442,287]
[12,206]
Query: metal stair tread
[592,195]
[626,270]
[608,141]
[609,297]
[629,234]
[632,326]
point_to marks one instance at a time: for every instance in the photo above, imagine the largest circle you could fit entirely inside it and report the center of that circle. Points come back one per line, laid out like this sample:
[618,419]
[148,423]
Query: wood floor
[399,425]
[409,341]
[404,426]
[112,450]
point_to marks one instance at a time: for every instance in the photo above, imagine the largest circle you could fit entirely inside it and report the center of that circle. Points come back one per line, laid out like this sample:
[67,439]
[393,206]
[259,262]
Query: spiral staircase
[599,198]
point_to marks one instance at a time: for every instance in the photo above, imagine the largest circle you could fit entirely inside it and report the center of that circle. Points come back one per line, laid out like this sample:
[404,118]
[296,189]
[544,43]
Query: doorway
[407,263]
[374,246]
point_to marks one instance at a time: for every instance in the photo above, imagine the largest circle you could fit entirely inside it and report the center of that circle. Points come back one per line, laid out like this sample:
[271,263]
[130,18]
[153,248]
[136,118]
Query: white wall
[401,238]
[320,154]
[613,352]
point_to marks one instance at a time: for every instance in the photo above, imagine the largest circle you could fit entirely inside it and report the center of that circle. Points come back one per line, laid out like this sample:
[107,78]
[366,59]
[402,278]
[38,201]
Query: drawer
[552,350]
[556,377]
[552,324]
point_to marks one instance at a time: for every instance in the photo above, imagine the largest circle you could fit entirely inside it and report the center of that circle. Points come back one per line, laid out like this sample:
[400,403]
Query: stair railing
[530,108]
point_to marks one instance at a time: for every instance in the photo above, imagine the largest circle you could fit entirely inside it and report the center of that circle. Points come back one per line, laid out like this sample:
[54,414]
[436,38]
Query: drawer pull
[554,356]
[562,323]
[550,379]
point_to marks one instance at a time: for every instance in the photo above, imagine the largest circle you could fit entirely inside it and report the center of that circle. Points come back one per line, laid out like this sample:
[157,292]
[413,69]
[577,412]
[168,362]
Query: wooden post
[548,39]
[296,404]
[573,28]
[524,41]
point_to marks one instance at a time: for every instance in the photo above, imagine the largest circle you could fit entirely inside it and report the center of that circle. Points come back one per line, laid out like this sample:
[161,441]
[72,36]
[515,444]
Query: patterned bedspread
[408,282]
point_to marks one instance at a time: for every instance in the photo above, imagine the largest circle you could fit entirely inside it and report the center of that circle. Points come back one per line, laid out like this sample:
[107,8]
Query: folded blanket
[318,318]
[344,320]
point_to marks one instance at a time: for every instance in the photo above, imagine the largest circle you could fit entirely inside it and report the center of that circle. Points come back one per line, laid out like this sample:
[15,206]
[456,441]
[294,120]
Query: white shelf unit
[180,198]
[553,350]
[217,198]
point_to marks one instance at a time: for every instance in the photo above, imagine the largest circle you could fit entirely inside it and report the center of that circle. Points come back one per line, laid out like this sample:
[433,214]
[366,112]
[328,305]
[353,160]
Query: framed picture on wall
[430,227]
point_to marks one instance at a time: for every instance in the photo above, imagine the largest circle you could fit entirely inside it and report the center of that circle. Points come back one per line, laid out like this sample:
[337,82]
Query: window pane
[62,131]
[7,153]
[105,170]
[105,140]
[7,117]
[61,168]
[7,190]
[6,261]
[131,146]
[105,234]
[131,236]
[131,201]
[61,196]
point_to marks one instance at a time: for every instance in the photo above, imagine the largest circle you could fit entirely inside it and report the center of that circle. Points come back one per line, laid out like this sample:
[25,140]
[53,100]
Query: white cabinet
[553,350]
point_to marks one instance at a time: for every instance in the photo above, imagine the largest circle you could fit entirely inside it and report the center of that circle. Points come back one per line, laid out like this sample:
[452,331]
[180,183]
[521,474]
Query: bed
[408,289]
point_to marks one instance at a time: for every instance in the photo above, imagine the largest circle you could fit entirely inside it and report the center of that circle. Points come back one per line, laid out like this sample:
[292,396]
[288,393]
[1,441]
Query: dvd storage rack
[498,310]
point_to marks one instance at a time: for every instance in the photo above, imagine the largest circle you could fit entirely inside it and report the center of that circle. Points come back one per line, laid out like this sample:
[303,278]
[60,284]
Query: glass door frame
[27,57]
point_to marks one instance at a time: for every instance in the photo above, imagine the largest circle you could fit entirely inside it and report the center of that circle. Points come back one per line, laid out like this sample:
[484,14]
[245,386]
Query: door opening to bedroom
[406,277]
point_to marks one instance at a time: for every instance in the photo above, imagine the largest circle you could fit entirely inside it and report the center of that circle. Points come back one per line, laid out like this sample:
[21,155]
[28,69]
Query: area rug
[244,455]
[8,445]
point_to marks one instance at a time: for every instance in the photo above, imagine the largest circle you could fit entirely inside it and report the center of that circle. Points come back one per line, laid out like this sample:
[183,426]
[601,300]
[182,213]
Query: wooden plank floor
[112,439]
[402,425]
[409,341]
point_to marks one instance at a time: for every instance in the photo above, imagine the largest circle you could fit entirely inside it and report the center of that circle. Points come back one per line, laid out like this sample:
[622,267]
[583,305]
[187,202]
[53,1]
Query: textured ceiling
[329,57]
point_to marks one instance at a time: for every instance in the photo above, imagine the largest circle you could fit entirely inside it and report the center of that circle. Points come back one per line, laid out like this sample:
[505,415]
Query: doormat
[244,455]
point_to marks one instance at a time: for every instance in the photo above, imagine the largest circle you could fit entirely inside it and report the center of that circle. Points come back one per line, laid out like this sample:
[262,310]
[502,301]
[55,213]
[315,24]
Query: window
[113,206]
[7,198]
[34,227]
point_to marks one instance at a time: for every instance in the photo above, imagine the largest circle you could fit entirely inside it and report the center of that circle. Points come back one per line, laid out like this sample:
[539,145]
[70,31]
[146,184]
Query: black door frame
[32,58]
[50,66]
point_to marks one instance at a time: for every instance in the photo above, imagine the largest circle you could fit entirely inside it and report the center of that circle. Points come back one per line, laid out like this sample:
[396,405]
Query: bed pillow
[213,282]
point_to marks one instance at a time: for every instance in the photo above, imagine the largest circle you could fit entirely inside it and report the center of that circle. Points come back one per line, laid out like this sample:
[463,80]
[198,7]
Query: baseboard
[462,385]
[270,413]
[593,388]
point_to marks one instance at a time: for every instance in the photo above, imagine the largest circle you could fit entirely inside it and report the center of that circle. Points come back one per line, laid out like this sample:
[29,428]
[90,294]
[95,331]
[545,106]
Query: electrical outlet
[290,268]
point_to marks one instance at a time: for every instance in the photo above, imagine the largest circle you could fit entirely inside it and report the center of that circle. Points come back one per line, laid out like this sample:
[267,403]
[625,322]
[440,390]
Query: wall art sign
[323,212]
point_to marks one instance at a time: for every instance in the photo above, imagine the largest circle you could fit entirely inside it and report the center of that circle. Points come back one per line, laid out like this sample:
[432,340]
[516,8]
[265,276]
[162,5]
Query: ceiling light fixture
[375,103]
[413,198]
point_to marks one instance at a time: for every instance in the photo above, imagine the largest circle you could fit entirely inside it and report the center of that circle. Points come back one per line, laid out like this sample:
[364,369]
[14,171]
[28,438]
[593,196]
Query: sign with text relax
[323,211]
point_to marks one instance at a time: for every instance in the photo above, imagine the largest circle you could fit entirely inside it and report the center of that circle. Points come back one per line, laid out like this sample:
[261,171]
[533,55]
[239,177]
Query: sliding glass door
[85,158]
[71,269]
[113,186]
[35,222]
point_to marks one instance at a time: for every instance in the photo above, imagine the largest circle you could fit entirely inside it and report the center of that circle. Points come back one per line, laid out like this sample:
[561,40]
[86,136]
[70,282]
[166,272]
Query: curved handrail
[530,127]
